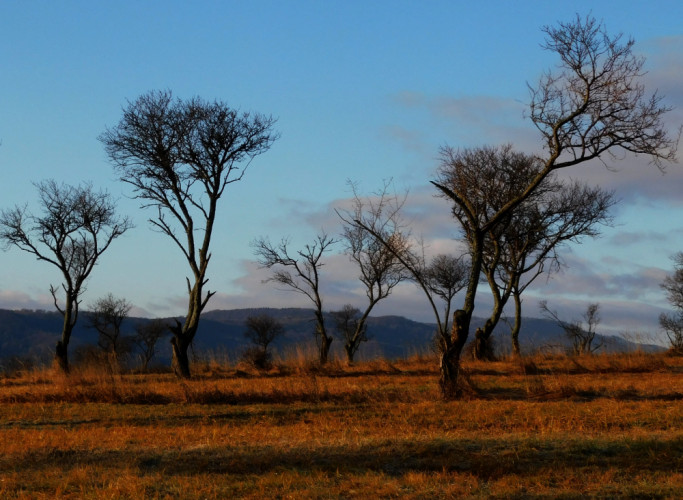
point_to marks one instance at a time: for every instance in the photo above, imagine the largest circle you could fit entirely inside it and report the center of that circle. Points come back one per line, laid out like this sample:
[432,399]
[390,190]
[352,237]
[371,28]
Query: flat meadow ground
[544,426]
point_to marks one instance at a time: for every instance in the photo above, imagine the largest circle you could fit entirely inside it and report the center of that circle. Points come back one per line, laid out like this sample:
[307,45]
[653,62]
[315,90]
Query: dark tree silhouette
[106,317]
[262,330]
[147,336]
[348,327]
[75,227]
[179,157]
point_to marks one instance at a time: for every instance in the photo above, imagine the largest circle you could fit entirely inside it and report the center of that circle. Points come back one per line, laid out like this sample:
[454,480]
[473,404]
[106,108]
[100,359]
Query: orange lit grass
[602,425]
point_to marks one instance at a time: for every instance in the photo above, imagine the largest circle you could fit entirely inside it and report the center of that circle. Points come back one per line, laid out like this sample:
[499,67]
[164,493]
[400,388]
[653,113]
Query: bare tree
[76,226]
[590,107]
[262,330]
[147,336]
[527,244]
[484,185]
[673,323]
[348,327]
[304,277]
[106,317]
[180,156]
[582,339]
[380,270]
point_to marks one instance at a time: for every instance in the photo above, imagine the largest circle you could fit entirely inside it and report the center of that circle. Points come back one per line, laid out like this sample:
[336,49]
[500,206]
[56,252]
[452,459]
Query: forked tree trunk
[350,351]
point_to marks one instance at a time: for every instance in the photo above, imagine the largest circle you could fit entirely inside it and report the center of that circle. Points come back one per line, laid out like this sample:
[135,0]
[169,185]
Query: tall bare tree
[106,317]
[673,323]
[526,245]
[179,157]
[76,225]
[380,270]
[304,277]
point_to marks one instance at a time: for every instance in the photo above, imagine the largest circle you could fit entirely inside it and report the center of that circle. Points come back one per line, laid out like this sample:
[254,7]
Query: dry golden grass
[603,426]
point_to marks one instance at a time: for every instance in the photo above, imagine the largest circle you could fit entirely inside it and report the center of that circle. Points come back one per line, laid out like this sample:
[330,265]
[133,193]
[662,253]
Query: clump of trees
[672,324]
[592,106]
[74,227]
[179,156]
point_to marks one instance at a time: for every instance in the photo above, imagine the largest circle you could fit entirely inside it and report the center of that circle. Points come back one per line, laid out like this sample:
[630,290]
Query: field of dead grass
[603,426]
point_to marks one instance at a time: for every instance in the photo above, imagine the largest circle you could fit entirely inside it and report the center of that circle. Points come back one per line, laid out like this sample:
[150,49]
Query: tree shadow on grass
[486,458]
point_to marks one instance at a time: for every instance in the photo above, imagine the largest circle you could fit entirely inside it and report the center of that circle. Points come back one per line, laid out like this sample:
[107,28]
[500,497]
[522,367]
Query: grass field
[601,426]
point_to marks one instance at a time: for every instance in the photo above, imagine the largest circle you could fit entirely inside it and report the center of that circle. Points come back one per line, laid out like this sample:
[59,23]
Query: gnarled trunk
[451,351]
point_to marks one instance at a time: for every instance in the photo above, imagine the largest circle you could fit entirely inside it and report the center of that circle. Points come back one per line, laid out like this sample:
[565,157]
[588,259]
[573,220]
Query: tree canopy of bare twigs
[75,227]
[593,103]
[380,269]
[179,157]
[300,272]
[672,324]
[526,244]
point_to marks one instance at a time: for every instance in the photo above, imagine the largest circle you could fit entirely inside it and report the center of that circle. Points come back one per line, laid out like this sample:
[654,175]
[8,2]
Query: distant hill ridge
[29,333]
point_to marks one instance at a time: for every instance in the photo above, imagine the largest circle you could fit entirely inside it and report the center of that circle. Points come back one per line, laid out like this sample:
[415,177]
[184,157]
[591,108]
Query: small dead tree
[262,330]
[106,317]
[75,228]
[179,157]
[582,338]
[147,336]
[672,324]
[349,329]
[304,277]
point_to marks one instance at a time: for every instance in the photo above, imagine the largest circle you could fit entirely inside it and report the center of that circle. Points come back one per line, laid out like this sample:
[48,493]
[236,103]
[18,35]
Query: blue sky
[362,90]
